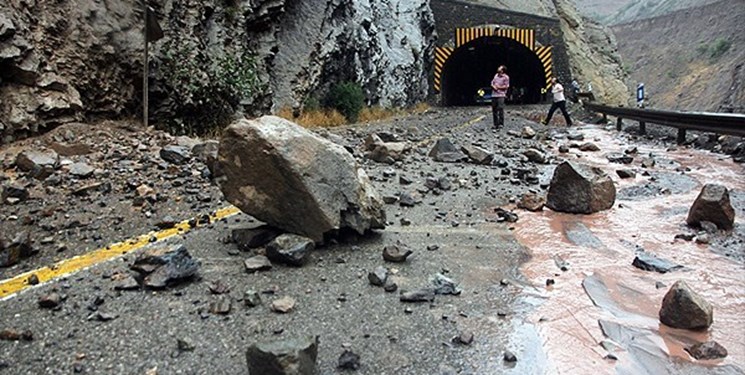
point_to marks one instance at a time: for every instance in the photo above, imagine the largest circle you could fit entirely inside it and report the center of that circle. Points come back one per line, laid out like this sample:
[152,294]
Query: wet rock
[535,156]
[626,173]
[81,170]
[290,249]
[378,277]
[257,263]
[283,305]
[509,356]
[478,155]
[11,252]
[575,136]
[703,238]
[631,151]
[286,357]
[447,152]
[14,335]
[390,199]
[649,262]
[14,193]
[349,361]
[221,306]
[532,202]
[648,163]
[175,154]
[563,149]
[445,285]
[685,236]
[50,301]
[619,158]
[505,215]
[684,308]
[419,295]
[713,205]
[251,298]
[294,180]
[251,236]
[396,253]
[589,146]
[39,164]
[707,350]
[527,132]
[580,189]
[162,267]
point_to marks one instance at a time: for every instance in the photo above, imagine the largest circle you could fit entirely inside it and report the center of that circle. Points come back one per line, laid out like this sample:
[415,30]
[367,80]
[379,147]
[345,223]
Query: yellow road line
[65,267]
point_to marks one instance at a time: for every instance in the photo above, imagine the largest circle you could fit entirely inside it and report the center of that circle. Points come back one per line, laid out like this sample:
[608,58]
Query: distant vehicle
[483,95]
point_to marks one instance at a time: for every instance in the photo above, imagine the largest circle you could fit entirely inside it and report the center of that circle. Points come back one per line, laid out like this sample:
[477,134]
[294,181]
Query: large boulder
[284,357]
[683,308]
[712,205]
[580,189]
[294,180]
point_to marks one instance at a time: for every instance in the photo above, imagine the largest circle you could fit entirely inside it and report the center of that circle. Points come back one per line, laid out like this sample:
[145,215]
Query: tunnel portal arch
[460,72]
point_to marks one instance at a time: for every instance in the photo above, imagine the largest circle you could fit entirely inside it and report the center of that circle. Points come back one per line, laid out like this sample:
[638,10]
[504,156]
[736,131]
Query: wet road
[501,267]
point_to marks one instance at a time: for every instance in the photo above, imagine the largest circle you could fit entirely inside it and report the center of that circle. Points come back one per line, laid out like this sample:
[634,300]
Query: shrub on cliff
[347,98]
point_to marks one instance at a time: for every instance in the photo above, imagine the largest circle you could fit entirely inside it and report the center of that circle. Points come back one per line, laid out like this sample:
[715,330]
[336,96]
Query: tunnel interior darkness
[473,65]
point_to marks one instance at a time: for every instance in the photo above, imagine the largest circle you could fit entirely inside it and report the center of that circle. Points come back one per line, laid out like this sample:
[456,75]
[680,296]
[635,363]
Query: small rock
[535,156]
[619,158]
[218,287]
[290,249]
[509,356]
[390,286]
[221,306]
[707,350]
[185,345]
[409,199]
[13,335]
[39,164]
[445,151]
[349,360]
[81,170]
[626,173]
[283,305]
[702,238]
[478,155]
[563,149]
[684,308]
[420,295]
[127,283]
[378,277]
[465,338]
[162,267]
[249,236]
[175,154]
[396,253]
[257,263]
[648,163]
[532,202]
[102,316]
[50,301]
[286,357]
[649,262]
[589,146]
[444,285]
[713,205]
[527,132]
[251,298]
[14,191]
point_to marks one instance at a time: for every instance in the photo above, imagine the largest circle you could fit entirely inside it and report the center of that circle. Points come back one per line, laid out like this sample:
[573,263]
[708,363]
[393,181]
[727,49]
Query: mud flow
[600,313]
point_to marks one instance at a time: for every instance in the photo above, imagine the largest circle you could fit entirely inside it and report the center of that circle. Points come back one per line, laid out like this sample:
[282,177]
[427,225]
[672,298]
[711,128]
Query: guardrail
[718,123]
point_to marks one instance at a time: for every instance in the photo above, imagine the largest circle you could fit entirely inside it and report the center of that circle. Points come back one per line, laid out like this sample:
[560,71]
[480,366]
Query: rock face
[300,48]
[712,205]
[286,357]
[580,189]
[683,308]
[295,180]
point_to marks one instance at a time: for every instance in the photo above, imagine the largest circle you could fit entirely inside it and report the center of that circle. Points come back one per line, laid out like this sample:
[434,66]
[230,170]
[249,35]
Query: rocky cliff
[621,11]
[68,61]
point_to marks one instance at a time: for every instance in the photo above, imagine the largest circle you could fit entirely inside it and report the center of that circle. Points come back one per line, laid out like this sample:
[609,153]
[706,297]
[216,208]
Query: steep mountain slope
[691,59]
[620,11]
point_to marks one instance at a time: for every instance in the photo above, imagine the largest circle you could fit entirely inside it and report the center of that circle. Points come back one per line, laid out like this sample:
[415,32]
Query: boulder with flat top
[295,180]
[712,205]
[580,189]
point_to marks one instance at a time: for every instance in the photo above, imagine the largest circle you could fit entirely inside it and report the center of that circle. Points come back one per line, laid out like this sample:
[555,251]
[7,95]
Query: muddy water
[599,250]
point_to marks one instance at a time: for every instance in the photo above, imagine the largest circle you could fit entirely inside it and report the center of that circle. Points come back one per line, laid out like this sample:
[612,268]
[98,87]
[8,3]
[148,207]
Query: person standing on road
[559,102]
[499,85]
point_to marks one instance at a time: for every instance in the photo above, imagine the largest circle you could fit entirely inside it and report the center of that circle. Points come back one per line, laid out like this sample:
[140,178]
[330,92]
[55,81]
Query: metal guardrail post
[619,124]
[642,128]
[681,136]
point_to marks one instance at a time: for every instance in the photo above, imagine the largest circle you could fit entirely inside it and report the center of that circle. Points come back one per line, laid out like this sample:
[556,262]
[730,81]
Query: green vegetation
[347,98]
[715,49]
[202,94]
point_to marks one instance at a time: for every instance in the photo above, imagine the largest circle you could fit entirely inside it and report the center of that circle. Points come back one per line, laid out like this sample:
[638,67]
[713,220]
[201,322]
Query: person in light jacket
[560,102]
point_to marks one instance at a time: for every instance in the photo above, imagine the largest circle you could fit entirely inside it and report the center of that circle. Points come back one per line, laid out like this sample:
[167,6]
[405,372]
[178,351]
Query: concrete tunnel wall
[451,15]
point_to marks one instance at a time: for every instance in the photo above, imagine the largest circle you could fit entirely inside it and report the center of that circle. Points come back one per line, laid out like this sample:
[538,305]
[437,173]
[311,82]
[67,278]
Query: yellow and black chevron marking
[545,55]
[441,56]
[525,37]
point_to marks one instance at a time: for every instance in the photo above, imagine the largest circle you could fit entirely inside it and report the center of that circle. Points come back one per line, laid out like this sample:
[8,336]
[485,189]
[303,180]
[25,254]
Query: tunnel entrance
[472,66]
